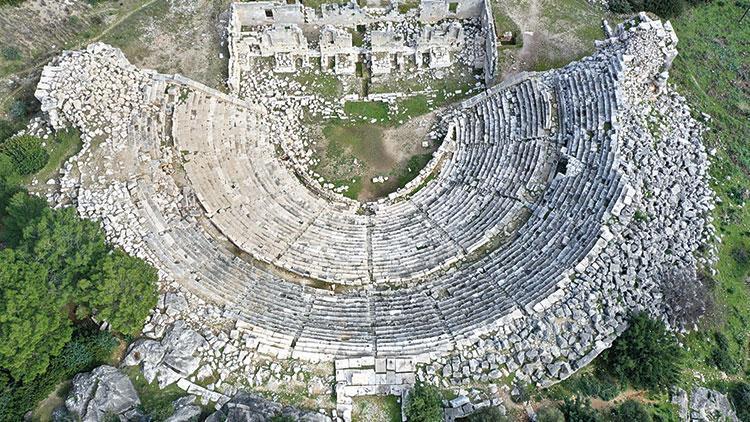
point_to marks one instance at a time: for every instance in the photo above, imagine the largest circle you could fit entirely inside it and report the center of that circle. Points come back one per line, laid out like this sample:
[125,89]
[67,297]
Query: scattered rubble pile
[107,392]
[561,199]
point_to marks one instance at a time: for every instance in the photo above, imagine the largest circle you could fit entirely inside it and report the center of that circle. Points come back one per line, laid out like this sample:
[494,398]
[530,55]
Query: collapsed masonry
[429,36]
[517,251]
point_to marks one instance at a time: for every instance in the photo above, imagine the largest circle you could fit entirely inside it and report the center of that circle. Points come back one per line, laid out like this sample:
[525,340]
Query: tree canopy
[123,292]
[646,355]
[33,326]
[70,248]
[53,263]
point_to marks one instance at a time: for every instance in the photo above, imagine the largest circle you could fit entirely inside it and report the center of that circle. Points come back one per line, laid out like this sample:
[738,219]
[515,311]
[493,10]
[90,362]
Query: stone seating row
[563,226]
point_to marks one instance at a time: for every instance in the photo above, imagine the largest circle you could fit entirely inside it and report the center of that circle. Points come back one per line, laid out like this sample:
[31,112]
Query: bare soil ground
[552,32]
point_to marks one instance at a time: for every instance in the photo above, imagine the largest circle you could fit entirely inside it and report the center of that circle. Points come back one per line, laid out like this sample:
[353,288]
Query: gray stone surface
[105,390]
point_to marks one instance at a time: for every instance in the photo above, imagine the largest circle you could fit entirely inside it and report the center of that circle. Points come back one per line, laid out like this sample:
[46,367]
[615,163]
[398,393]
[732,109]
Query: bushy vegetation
[550,414]
[662,8]
[425,404]
[579,409]
[646,355]
[739,394]
[87,349]
[487,414]
[56,273]
[631,411]
[26,153]
[587,384]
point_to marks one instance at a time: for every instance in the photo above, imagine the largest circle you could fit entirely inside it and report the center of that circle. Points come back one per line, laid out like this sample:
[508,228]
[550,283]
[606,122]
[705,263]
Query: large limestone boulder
[185,410]
[176,356]
[709,405]
[246,407]
[103,391]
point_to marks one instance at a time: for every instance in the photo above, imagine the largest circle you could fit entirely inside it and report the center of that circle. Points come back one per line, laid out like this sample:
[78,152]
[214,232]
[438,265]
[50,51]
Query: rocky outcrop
[246,407]
[176,356]
[710,405]
[102,392]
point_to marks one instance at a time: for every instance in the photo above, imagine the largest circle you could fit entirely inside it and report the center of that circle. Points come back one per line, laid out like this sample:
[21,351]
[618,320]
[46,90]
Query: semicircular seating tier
[502,154]
[230,162]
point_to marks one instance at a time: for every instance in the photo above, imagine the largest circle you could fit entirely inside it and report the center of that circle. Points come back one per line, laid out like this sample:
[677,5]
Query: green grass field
[713,71]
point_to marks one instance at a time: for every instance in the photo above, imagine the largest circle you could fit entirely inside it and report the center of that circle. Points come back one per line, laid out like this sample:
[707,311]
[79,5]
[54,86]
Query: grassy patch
[130,36]
[367,110]
[412,169]
[411,107]
[585,383]
[324,84]
[407,5]
[315,4]
[363,141]
[376,408]
[155,402]
[503,22]
[355,185]
[713,72]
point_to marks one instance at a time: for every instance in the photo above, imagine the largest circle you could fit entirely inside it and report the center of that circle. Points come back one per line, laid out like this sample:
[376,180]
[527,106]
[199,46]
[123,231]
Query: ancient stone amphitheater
[554,207]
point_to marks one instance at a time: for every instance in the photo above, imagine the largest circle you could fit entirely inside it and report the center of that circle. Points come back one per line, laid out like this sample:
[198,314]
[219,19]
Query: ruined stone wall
[257,13]
[490,43]
[435,10]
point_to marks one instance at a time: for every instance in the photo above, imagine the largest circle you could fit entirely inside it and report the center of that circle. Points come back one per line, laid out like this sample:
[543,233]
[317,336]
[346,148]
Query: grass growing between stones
[713,72]
[60,147]
[155,402]
[376,409]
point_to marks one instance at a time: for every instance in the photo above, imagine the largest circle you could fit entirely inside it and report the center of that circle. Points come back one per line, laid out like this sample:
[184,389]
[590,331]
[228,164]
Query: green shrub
[487,414]
[10,182]
[11,53]
[550,414]
[646,355]
[721,357]
[620,6]
[425,404]
[26,152]
[631,411]
[578,410]
[593,385]
[739,394]
[90,349]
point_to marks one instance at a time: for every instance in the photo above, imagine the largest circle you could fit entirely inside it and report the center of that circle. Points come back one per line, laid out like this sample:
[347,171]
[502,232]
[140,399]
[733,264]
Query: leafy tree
[578,410]
[739,394]
[123,291]
[550,414]
[26,152]
[22,209]
[10,182]
[70,248]
[33,327]
[425,404]
[646,355]
[631,411]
